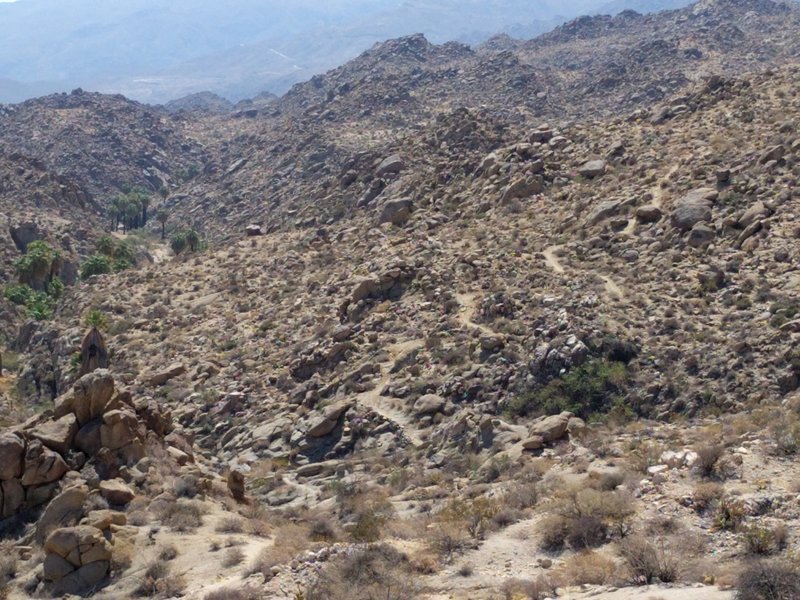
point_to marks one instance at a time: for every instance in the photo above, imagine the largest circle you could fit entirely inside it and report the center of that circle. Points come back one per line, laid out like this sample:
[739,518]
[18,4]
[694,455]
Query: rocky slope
[470,353]
[297,157]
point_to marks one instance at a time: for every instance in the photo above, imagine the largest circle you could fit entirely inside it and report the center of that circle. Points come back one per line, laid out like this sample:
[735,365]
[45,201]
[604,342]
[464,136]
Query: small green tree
[55,289]
[38,266]
[193,239]
[178,242]
[106,245]
[97,264]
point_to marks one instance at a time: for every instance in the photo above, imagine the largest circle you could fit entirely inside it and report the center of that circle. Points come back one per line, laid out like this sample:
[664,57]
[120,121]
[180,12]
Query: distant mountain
[154,51]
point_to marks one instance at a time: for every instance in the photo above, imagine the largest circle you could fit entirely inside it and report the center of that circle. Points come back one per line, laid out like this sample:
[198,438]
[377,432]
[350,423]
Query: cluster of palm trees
[129,210]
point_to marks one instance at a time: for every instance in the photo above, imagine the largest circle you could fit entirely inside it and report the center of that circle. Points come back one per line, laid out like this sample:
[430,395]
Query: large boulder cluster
[94,430]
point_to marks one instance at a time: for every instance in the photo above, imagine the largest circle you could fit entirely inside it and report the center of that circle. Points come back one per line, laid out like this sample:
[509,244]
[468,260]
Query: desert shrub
[168,553]
[768,580]
[18,294]
[553,531]
[289,541]
[763,541]
[473,515]
[322,529]
[611,481]
[647,562]
[586,532]
[522,495]
[97,264]
[157,581]
[185,486]
[585,518]
[229,525]
[466,570]
[530,589]
[447,540]
[245,593]
[706,495]
[588,568]
[182,516]
[645,455]
[592,389]
[505,517]
[233,557]
[785,435]
[729,515]
[377,571]
[708,459]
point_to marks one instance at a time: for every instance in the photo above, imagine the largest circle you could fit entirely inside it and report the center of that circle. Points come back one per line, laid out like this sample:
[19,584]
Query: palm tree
[193,239]
[162,216]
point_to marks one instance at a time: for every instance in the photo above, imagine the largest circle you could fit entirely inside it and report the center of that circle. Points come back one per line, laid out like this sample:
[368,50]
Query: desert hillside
[517,321]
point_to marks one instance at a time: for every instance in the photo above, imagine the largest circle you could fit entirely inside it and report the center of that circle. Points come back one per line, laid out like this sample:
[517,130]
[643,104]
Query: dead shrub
[232,557]
[168,553]
[708,460]
[768,580]
[611,481]
[647,562]
[706,495]
[553,531]
[229,525]
[585,518]
[586,532]
[182,516]
[157,581]
[447,541]
[322,529]
[522,495]
[245,593]
[424,562]
[588,568]
[377,571]
[289,541]
[505,518]
[531,589]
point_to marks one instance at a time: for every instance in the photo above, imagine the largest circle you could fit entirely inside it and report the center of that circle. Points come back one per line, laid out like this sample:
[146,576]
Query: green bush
[591,389]
[178,243]
[121,264]
[106,245]
[39,305]
[184,240]
[97,264]
[39,264]
[37,261]
[18,294]
[55,289]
